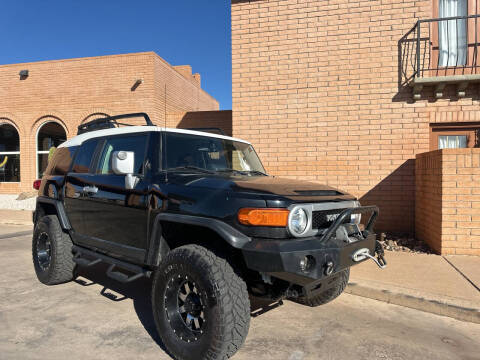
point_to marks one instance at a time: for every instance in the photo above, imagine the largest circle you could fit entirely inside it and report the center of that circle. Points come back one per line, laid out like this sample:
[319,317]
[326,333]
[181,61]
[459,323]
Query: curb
[455,308]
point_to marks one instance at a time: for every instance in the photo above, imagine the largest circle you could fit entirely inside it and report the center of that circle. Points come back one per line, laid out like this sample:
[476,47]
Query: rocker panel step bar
[96,258]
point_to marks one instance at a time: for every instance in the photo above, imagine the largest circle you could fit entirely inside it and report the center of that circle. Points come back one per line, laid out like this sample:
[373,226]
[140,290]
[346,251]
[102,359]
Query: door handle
[90,190]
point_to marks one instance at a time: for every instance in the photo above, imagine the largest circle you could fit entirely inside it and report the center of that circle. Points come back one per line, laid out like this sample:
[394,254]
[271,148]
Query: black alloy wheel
[184,308]
[44,248]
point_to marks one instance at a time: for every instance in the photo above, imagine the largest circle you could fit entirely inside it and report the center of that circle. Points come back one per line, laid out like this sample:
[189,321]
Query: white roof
[79,139]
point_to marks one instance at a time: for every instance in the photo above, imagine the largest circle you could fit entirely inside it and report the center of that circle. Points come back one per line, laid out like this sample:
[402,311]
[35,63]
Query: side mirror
[123,164]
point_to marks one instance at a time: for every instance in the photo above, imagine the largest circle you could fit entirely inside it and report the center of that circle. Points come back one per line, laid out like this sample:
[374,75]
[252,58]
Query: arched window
[50,134]
[9,154]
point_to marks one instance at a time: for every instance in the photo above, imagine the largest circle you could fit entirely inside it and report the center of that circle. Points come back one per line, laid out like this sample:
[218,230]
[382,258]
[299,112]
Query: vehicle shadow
[140,293]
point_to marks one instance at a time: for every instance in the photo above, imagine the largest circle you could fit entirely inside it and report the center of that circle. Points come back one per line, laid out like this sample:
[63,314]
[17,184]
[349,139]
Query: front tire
[200,305]
[52,252]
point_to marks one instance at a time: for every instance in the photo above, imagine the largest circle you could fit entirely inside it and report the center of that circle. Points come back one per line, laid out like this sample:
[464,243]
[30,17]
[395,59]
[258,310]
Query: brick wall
[76,90]
[202,119]
[428,204]
[315,89]
[448,200]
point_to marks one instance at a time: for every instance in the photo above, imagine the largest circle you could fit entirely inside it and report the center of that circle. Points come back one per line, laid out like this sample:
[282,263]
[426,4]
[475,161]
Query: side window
[61,161]
[135,143]
[84,156]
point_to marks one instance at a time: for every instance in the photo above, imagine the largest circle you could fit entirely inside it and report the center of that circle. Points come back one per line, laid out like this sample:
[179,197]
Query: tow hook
[328,268]
[364,253]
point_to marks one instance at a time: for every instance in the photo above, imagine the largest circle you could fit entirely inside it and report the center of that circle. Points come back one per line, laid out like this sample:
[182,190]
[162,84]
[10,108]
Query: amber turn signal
[263,217]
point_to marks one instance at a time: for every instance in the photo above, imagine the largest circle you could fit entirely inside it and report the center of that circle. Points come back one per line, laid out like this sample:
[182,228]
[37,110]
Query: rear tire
[52,252]
[200,305]
[340,282]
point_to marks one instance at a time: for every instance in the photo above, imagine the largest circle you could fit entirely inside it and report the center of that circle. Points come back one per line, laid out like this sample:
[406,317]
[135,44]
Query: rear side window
[84,157]
[135,143]
[60,163]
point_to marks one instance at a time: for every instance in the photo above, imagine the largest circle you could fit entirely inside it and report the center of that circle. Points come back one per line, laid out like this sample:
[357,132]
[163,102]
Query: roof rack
[110,122]
[212,130]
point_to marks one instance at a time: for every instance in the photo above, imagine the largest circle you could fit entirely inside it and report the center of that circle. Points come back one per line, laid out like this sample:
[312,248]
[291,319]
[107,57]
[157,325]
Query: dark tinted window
[135,143]
[60,163]
[84,157]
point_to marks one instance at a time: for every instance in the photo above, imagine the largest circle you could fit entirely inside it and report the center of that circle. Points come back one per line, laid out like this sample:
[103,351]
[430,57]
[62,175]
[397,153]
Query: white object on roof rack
[79,139]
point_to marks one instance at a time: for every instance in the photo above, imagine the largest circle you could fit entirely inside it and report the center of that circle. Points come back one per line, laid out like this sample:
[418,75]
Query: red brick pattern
[448,200]
[72,91]
[315,88]
[221,119]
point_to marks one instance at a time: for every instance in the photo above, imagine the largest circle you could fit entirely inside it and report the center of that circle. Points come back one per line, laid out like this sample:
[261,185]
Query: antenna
[165,105]
[165,132]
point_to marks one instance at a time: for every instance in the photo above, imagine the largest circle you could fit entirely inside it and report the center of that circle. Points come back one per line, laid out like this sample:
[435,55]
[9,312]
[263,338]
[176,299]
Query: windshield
[196,152]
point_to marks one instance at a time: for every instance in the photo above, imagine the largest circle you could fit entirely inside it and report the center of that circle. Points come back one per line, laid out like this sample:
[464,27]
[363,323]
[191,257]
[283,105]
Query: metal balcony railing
[440,47]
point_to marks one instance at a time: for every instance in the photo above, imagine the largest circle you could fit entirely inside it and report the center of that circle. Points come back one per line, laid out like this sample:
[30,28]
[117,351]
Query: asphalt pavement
[96,318]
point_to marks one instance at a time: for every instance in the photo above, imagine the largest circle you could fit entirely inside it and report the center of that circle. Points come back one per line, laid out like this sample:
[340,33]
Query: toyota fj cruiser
[197,213]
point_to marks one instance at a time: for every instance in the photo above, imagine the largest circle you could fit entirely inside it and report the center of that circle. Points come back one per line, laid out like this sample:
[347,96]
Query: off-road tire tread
[232,296]
[62,265]
[328,295]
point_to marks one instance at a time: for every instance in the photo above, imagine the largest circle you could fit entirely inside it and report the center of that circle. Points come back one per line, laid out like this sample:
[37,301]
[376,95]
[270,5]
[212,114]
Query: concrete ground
[431,274]
[98,318]
[442,285]
[15,217]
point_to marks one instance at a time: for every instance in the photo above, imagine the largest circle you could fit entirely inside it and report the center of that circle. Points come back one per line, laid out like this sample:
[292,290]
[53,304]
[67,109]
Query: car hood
[264,185]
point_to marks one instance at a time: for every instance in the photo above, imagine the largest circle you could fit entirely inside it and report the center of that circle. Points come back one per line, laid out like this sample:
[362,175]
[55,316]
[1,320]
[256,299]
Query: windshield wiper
[191,167]
[256,172]
[243,172]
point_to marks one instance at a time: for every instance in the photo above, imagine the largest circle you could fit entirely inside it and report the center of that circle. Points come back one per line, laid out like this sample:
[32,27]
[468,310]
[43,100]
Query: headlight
[298,221]
[356,218]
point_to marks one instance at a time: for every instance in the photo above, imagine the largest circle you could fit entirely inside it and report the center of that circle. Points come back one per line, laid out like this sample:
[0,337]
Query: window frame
[13,153]
[44,152]
[453,129]
[473,8]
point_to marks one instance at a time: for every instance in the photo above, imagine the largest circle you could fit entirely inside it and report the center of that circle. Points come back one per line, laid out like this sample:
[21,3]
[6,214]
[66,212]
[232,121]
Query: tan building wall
[316,90]
[221,119]
[448,200]
[72,91]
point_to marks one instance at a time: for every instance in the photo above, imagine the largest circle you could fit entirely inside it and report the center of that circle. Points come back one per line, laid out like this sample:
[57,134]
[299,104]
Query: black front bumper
[282,258]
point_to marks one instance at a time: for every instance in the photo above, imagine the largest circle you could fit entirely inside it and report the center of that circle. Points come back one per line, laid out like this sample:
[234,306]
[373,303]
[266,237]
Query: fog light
[307,263]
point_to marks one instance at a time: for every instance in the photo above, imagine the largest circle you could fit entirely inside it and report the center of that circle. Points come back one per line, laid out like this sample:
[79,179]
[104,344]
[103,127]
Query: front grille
[325,218]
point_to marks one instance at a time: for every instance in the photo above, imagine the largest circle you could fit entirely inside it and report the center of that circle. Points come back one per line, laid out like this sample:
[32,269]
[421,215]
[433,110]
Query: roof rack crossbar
[110,122]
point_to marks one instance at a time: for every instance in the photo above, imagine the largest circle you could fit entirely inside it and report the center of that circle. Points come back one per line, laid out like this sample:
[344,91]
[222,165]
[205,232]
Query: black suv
[197,213]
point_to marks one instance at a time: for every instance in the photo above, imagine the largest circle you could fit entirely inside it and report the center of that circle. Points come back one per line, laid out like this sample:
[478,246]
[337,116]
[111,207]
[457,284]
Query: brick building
[42,103]
[350,92]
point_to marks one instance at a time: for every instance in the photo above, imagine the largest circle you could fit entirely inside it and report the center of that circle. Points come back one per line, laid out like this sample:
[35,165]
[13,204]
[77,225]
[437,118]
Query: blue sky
[181,31]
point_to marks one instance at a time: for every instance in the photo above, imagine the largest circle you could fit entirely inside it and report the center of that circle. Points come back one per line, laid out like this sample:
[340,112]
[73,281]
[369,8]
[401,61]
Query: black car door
[77,182]
[116,218]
